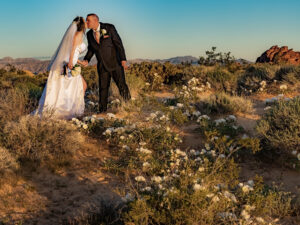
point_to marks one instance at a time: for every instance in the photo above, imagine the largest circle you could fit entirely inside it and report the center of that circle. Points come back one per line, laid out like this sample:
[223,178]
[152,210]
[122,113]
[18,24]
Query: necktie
[97,36]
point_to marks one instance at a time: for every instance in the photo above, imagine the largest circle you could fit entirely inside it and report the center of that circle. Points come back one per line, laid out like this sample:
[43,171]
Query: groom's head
[92,21]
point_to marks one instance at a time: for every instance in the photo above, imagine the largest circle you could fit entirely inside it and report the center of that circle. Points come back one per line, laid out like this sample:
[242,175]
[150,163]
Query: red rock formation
[280,55]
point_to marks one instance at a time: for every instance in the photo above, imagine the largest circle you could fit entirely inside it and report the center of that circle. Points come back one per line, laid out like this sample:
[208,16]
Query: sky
[155,29]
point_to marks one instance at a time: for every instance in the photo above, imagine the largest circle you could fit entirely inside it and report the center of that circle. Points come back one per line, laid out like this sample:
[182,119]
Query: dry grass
[42,140]
[225,103]
[7,161]
[12,105]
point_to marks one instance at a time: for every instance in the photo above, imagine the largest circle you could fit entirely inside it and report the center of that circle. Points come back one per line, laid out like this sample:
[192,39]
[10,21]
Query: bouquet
[76,70]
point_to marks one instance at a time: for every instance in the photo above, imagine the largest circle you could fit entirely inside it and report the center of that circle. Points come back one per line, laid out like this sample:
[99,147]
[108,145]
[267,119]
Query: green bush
[90,75]
[222,80]
[290,74]
[250,81]
[279,129]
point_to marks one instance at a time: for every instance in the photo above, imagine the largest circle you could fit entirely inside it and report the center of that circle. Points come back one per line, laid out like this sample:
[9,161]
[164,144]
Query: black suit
[109,53]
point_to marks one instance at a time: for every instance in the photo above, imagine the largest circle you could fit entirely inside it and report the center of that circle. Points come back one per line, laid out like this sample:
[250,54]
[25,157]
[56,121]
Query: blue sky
[155,28]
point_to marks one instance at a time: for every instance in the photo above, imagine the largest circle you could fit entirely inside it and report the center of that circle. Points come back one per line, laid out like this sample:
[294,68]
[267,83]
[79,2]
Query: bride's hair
[80,23]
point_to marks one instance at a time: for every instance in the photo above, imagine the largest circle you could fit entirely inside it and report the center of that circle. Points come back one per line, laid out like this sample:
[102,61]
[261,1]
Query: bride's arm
[76,40]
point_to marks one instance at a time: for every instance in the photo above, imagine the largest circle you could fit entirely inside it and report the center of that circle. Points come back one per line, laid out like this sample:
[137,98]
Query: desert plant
[13,104]
[279,129]
[222,80]
[224,103]
[45,141]
[250,81]
[7,161]
[290,74]
[213,58]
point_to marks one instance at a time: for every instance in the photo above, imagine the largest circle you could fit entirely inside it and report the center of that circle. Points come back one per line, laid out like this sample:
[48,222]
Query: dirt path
[248,121]
[288,179]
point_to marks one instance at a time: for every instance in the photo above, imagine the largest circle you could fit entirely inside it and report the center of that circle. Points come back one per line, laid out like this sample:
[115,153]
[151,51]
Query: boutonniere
[103,32]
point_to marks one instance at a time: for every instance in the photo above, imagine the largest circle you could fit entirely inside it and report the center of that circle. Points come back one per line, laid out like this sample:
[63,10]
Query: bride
[63,95]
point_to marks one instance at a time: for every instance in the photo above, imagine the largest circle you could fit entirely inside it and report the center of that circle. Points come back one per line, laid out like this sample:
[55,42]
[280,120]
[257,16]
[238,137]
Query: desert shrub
[157,74]
[31,85]
[11,79]
[135,84]
[169,185]
[224,103]
[13,104]
[290,74]
[200,187]
[90,75]
[222,80]
[213,58]
[41,140]
[7,161]
[250,81]
[279,128]
[269,201]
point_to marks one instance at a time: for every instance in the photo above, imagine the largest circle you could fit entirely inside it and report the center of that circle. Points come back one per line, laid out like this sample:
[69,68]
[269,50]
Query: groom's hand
[85,62]
[124,64]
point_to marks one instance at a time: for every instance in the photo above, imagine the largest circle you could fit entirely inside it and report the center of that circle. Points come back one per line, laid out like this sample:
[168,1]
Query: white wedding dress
[63,96]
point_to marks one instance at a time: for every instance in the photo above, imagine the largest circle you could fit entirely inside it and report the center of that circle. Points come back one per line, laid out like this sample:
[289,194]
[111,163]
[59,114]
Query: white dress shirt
[97,30]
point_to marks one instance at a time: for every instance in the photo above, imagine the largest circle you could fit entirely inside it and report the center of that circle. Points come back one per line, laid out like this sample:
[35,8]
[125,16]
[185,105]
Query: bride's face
[85,24]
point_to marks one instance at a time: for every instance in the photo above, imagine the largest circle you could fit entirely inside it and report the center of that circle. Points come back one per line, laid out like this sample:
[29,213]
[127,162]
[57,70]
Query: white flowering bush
[164,177]
[190,91]
[200,186]
[115,103]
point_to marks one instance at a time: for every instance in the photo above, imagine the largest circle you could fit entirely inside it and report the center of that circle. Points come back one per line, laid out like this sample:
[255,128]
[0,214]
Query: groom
[104,41]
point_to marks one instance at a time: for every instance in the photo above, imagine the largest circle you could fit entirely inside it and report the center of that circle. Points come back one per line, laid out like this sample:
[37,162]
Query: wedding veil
[63,51]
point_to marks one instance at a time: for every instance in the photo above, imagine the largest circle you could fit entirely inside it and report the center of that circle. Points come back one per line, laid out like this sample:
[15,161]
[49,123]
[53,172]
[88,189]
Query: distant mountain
[30,64]
[174,60]
[40,64]
[243,61]
[181,59]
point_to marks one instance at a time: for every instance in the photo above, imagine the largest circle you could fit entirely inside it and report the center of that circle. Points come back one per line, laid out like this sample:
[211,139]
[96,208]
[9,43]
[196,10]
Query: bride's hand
[70,65]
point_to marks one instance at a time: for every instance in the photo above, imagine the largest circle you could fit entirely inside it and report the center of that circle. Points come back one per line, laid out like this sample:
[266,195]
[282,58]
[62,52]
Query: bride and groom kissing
[63,95]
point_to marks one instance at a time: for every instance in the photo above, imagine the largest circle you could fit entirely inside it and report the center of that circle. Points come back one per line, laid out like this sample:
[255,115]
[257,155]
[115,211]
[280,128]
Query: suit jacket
[110,52]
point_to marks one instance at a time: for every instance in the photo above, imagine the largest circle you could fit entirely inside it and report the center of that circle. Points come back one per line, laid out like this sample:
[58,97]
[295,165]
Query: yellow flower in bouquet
[76,70]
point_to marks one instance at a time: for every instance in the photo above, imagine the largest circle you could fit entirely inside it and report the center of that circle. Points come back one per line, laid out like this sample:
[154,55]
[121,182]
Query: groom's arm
[118,43]
[89,53]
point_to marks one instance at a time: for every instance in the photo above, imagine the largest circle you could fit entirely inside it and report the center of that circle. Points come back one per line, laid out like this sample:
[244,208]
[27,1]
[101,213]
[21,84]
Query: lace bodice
[79,49]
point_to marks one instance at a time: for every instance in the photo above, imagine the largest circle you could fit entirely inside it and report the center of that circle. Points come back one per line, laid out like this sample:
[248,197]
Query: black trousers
[104,82]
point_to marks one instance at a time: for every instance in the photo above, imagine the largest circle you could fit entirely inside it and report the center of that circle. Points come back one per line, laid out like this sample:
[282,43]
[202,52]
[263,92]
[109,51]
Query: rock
[280,55]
